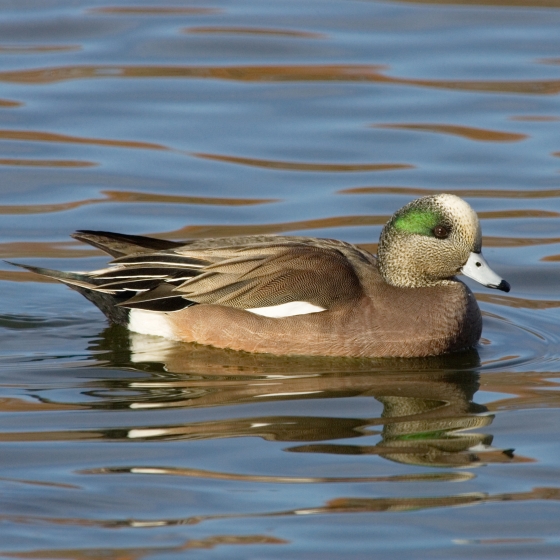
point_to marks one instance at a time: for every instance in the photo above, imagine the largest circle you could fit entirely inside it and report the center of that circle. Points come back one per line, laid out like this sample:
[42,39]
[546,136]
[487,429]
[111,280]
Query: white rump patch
[287,309]
[150,322]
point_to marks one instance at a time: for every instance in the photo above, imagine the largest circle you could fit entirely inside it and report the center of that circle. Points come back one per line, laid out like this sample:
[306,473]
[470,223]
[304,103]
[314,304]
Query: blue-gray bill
[478,269]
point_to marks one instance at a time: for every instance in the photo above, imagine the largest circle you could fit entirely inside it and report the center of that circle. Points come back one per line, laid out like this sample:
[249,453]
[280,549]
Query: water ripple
[468,132]
[303,166]
[153,11]
[465,193]
[256,31]
[317,73]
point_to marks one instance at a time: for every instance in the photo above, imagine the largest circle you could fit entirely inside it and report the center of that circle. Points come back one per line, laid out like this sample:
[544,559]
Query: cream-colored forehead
[459,211]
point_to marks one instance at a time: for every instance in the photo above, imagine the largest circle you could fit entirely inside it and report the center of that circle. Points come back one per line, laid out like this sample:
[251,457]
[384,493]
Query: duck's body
[299,295]
[413,327]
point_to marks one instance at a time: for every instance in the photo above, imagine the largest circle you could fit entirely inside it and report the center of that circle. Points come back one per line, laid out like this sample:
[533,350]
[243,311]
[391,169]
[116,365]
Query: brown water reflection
[219,230]
[464,193]
[9,104]
[302,166]
[528,390]
[46,162]
[131,553]
[42,136]
[343,505]
[8,405]
[337,73]
[131,196]
[468,132]
[251,478]
[363,505]
[37,49]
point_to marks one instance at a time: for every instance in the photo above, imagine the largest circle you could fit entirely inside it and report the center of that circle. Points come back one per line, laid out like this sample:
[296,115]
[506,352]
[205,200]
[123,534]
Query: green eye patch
[417,221]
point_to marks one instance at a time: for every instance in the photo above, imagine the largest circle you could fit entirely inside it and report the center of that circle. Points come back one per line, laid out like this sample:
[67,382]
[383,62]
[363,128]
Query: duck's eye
[441,232]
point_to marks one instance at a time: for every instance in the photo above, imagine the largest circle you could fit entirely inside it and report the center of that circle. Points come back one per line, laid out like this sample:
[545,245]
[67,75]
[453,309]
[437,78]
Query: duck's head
[431,240]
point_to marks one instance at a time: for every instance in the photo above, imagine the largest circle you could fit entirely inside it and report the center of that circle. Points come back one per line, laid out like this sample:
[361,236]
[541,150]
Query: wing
[250,276]
[265,276]
[245,272]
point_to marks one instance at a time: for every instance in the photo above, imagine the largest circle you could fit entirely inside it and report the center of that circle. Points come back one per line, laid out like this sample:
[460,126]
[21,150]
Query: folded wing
[247,273]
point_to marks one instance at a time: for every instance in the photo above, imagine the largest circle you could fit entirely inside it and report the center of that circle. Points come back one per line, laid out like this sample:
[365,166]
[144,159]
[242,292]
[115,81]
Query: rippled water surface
[197,119]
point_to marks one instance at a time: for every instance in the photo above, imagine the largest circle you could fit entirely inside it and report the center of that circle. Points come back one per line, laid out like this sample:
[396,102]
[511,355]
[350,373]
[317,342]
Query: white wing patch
[287,309]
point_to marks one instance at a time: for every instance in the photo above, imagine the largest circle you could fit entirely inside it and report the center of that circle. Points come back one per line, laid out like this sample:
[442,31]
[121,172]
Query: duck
[294,295]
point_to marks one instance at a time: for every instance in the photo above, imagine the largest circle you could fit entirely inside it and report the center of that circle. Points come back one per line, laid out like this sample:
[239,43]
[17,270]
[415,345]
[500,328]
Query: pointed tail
[106,301]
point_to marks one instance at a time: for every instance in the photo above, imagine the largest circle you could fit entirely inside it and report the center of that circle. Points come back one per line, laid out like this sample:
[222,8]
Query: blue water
[317,118]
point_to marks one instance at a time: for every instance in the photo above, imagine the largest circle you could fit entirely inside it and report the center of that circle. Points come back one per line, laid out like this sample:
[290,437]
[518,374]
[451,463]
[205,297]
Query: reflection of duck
[428,420]
[303,296]
[427,402]
[430,432]
[339,506]
[423,423]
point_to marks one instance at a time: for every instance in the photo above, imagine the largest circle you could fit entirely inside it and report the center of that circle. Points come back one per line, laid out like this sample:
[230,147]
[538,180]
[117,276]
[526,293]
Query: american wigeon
[302,295]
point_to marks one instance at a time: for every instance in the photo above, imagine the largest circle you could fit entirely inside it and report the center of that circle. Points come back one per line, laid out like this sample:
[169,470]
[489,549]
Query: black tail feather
[120,244]
[106,302]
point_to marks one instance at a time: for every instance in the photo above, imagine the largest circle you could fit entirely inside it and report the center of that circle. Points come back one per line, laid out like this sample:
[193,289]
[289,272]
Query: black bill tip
[504,286]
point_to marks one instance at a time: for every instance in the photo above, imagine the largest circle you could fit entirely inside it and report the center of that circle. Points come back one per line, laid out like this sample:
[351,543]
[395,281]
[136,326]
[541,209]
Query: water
[321,118]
